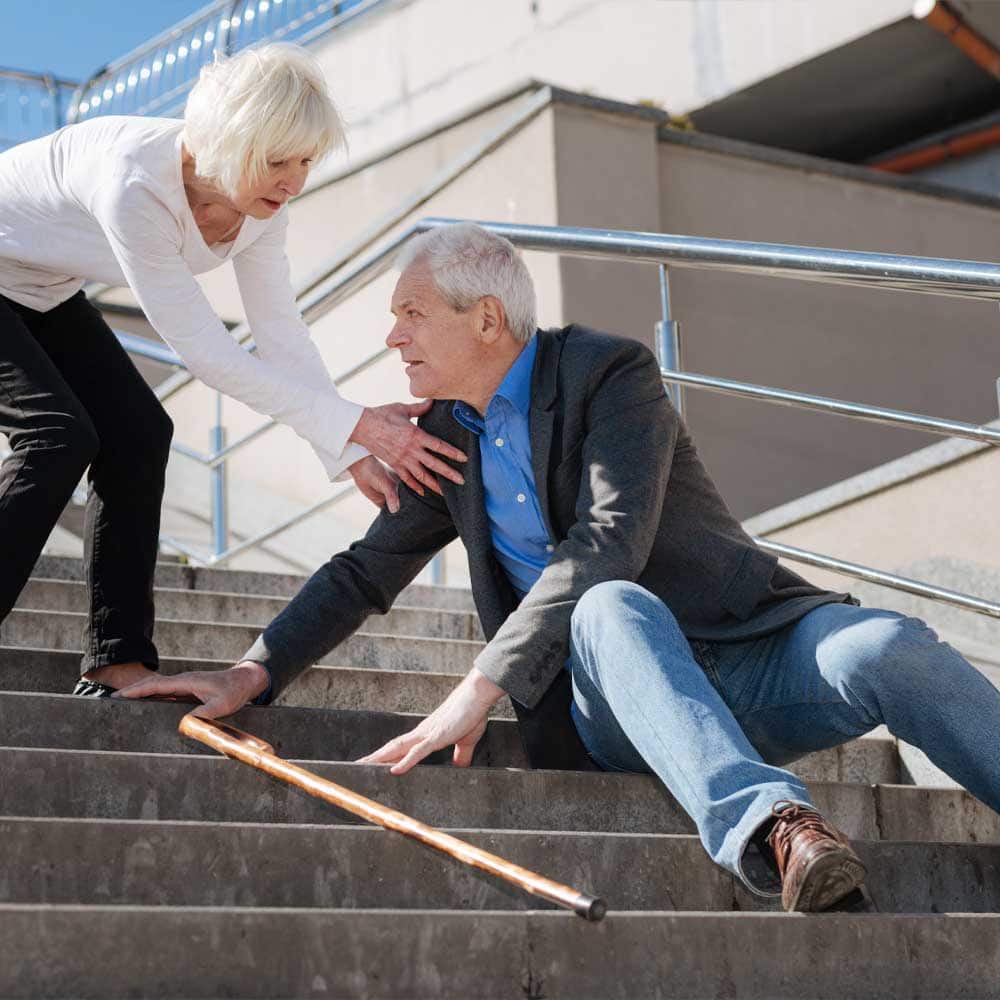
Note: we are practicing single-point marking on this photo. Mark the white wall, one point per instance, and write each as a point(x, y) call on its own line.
point(417, 61)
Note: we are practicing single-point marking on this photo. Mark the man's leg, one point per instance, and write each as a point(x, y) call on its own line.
point(842, 670)
point(642, 703)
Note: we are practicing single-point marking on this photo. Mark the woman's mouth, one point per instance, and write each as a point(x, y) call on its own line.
point(271, 204)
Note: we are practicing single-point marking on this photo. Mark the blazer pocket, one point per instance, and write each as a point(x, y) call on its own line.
point(749, 583)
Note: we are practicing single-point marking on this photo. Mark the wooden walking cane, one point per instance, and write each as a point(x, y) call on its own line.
point(257, 753)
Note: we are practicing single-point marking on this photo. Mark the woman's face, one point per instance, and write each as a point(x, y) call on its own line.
point(283, 179)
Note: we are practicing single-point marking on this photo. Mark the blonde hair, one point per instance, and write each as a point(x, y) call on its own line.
point(468, 263)
point(265, 104)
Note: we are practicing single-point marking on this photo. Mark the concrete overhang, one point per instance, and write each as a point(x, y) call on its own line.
point(878, 92)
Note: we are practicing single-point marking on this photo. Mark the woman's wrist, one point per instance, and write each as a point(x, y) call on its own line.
point(363, 429)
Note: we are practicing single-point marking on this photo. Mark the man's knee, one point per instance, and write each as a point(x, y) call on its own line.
point(607, 599)
point(606, 607)
point(892, 651)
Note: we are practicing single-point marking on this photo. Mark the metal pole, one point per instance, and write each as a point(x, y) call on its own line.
point(439, 572)
point(668, 340)
point(220, 495)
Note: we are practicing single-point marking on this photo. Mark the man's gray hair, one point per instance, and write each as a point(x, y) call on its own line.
point(468, 263)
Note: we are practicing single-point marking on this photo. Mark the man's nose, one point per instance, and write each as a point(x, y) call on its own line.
point(395, 337)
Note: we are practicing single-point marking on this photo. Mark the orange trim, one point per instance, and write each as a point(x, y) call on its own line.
point(961, 145)
point(942, 18)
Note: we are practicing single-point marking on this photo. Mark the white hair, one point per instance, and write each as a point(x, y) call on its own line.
point(266, 104)
point(468, 263)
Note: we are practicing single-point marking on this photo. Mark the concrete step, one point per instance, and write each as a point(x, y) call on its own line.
point(357, 688)
point(173, 604)
point(229, 581)
point(206, 864)
point(67, 722)
point(92, 784)
point(211, 641)
point(211, 952)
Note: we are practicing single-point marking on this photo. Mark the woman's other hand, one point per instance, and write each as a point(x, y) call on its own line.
point(376, 482)
point(389, 434)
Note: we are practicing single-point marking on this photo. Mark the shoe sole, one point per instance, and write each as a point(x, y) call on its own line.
point(826, 881)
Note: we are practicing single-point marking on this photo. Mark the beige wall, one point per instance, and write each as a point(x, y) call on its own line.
point(418, 61)
point(923, 353)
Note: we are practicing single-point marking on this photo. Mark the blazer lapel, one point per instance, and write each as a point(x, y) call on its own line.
point(541, 416)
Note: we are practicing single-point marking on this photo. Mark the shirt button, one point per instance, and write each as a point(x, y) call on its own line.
point(550, 548)
point(521, 498)
point(499, 442)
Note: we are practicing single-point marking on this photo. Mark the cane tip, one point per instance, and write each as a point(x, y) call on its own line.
point(591, 908)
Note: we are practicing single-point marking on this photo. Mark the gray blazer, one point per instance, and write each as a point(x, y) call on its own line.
point(624, 496)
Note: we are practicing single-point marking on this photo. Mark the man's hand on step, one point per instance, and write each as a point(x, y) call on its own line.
point(459, 721)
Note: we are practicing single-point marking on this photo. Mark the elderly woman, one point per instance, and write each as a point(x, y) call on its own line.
point(151, 203)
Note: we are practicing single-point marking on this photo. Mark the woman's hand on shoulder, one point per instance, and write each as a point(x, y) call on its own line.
point(389, 433)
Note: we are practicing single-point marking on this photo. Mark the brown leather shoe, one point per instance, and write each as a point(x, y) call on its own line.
point(817, 865)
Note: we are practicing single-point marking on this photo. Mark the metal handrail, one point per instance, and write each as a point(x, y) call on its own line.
point(969, 279)
point(31, 104)
point(155, 78)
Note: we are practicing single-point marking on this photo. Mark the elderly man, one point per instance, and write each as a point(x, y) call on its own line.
point(628, 614)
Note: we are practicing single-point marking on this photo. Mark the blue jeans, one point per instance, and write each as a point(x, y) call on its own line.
point(714, 721)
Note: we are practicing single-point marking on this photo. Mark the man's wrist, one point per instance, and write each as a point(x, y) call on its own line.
point(257, 678)
point(484, 689)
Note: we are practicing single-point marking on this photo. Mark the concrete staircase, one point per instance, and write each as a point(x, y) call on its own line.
point(135, 863)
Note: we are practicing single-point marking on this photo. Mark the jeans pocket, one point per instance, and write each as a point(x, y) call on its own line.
point(705, 656)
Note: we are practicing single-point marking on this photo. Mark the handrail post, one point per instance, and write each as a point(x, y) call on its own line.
point(220, 493)
point(668, 340)
point(439, 570)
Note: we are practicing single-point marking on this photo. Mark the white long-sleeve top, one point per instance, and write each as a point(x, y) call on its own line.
point(104, 201)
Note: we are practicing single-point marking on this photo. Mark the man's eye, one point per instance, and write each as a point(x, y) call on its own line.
point(412, 313)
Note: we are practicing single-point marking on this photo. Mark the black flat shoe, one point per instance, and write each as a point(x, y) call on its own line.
point(91, 689)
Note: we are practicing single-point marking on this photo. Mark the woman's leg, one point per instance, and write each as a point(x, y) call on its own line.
point(126, 486)
point(52, 442)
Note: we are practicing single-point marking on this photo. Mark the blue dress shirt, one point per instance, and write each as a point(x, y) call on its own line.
point(520, 538)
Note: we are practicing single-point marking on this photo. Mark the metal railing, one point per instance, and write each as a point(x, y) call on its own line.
point(966, 279)
point(31, 105)
point(155, 78)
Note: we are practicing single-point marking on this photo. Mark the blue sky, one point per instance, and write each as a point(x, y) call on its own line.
point(73, 38)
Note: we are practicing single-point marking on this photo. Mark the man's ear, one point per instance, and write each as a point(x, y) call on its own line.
point(492, 319)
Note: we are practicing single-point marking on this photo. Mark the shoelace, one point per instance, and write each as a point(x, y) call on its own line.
point(792, 819)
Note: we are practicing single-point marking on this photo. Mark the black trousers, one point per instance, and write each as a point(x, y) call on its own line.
point(71, 399)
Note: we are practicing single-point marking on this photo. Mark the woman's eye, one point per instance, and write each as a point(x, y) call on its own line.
point(277, 163)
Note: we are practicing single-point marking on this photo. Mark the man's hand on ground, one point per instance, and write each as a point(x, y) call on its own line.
point(459, 720)
point(221, 692)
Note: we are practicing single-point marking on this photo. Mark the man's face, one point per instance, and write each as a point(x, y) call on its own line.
point(441, 347)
